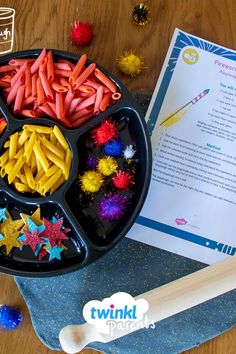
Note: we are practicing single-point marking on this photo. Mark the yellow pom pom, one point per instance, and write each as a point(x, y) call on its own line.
point(130, 64)
point(91, 181)
point(107, 166)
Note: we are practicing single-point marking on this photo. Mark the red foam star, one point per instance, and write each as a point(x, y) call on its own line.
point(32, 239)
point(53, 232)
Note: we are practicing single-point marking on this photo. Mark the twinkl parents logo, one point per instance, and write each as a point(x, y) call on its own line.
point(121, 311)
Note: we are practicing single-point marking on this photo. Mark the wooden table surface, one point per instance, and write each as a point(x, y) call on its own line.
point(46, 23)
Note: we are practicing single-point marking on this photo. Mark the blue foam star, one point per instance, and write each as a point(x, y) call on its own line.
point(3, 214)
point(55, 252)
point(54, 219)
point(1, 237)
point(39, 246)
point(32, 226)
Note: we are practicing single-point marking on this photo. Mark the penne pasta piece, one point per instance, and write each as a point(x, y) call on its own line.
point(48, 145)
point(64, 73)
point(27, 101)
point(82, 120)
point(87, 89)
point(68, 161)
point(20, 62)
point(53, 158)
point(13, 145)
point(116, 96)
point(33, 164)
point(42, 181)
point(19, 73)
point(59, 106)
point(7, 144)
point(9, 166)
point(4, 84)
point(68, 99)
point(48, 110)
point(19, 99)
point(58, 88)
point(19, 153)
point(39, 175)
point(86, 103)
point(62, 66)
point(40, 156)
point(83, 112)
point(53, 139)
point(30, 146)
point(4, 158)
point(28, 83)
point(40, 92)
point(20, 187)
point(38, 61)
point(23, 137)
point(46, 86)
point(16, 169)
point(27, 113)
point(52, 170)
point(50, 67)
point(37, 128)
point(78, 68)
point(34, 84)
point(95, 85)
point(83, 76)
point(64, 82)
point(12, 94)
point(22, 178)
point(52, 180)
point(62, 60)
point(74, 104)
point(6, 68)
point(105, 80)
point(105, 102)
point(56, 185)
point(98, 100)
point(60, 137)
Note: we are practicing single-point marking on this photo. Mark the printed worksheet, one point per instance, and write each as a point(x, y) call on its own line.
point(191, 206)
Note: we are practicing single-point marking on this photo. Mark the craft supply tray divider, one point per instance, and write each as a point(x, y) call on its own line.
point(83, 249)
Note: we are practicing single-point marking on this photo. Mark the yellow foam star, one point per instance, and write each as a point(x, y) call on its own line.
point(10, 241)
point(35, 217)
point(10, 226)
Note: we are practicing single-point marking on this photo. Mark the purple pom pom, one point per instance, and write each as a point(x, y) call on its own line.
point(91, 162)
point(112, 207)
point(9, 317)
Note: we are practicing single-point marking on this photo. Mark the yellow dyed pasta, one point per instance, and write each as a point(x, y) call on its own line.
point(13, 145)
point(60, 137)
point(36, 159)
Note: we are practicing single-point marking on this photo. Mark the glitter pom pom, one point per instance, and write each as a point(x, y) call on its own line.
point(140, 14)
point(105, 132)
point(91, 181)
point(91, 162)
point(114, 148)
point(112, 207)
point(130, 64)
point(129, 152)
point(81, 33)
point(107, 166)
point(123, 180)
point(9, 317)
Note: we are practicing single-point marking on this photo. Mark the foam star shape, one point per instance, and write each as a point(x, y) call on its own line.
point(35, 217)
point(9, 225)
point(53, 231)
point(32, 226)
point(32, 239)
point(55, 252)
point(3, 214)
point(10, 241)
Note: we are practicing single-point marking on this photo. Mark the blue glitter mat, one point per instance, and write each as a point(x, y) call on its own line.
point(134, 268)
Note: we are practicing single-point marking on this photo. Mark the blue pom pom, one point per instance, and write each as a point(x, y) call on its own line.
point(9, 317)
point(114, 148)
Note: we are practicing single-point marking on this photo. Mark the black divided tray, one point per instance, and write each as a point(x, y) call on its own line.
point(90, 237)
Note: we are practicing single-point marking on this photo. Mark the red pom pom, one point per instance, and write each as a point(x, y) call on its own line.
point(81, 33)
point(123, 180)
point(105, 132)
